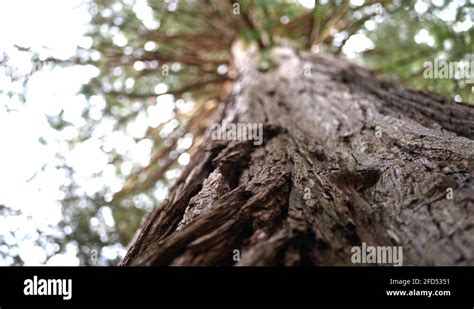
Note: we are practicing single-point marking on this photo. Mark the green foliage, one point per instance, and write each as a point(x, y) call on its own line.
point(396, 50)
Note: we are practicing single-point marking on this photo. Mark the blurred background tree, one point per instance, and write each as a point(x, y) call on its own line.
point(162, 67)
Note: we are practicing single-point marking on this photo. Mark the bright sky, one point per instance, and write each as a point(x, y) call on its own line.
point(29, 181)
point(54, 28)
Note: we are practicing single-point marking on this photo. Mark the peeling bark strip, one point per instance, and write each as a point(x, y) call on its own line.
point(346, 159)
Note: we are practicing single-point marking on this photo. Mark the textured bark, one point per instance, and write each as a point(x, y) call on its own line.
point(347, 158)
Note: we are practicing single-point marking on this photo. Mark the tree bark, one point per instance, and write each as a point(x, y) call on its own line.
point(347, 158)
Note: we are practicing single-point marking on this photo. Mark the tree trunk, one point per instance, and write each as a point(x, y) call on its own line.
point(347, 158)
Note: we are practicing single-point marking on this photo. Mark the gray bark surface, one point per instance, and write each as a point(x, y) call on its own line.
point(347, 158)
